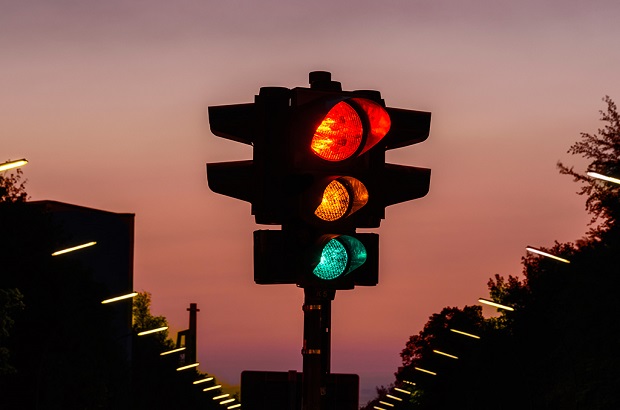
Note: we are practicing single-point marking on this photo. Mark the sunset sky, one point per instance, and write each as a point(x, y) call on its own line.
point(108, 101)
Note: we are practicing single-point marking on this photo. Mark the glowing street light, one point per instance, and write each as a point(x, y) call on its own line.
point(386, 403)
point(465, 333)
point(402, 390)
point(217, 386)
point(603, 177)
point(115, 299)
point(408, 382)
point(227, 401)
point(13, 164)
point(425, 371)
point(393, 397)
point(497, 305)
point(443, 354)
point(74, 248)
point(221, 396)
point(180, 349)
point(378, 408)
point(208, 379)
point(189, 366)
point(148, 332)
point(234, 406)
point(548, 255)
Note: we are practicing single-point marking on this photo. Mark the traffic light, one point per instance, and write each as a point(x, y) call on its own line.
point(318, 170)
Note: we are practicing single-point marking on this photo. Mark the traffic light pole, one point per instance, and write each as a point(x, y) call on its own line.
point(316, 349)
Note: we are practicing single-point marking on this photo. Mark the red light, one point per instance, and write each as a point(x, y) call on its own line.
point(379, 121)
point(339, 135)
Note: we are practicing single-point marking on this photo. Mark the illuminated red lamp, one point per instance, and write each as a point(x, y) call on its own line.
point(350, 127)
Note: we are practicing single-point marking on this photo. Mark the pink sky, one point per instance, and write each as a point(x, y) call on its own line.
point(108, 101)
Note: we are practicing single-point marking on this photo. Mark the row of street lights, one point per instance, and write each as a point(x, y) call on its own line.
point(397, 400)
point(225, 399)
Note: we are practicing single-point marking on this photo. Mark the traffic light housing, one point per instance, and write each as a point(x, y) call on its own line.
point(319, 170)
point(325, 261)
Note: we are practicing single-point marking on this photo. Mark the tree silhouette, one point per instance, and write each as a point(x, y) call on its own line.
point(558, 348)
point(603, 149)
point(12, 190)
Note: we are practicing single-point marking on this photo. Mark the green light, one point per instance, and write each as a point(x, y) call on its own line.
point(340, 256)
point(333, 262)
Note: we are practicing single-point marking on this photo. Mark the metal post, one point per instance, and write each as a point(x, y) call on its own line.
point(316, 348)
point(190, 341)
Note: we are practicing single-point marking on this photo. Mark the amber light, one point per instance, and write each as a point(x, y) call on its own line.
point(341, 198)
point(335, 202)
point(339, 135)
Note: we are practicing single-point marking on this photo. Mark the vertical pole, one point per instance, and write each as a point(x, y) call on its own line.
point(316, 348)
point(190, 341)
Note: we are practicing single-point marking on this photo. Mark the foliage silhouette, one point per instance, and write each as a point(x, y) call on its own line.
point(558, 348)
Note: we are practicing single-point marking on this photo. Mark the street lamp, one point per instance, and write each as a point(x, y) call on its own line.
point(122, 297)
point(148, 332)
point(548, 255)
point(424, 371)
point(603, 177)
point(465, 333)
point(180, 349)
point(441, 353)
point(74, 248)
point(497, 305)
point(13, 164)
point(189, 366)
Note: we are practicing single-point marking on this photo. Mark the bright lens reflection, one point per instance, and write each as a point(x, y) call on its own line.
point(379, 120)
